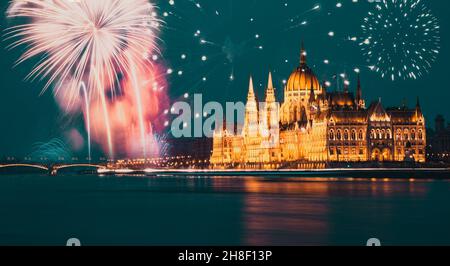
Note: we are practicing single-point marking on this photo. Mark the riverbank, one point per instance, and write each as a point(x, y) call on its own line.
point(423, 173)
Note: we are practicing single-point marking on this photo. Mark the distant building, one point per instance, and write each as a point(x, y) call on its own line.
point(439, 141)
point(314, 126)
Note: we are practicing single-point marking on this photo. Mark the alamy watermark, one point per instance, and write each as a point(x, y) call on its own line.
point(204, 119)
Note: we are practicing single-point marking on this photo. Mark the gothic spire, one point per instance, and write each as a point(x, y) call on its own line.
point(418, 107)
point(270, 92)
point(251, 90)
point(269, 82)
point(359, 90)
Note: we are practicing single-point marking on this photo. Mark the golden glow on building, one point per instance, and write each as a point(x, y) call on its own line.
point(314, 127)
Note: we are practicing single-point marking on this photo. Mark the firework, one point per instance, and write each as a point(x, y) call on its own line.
point(53, 150)
point(88, 117)
point(401, 39)
point(92, 42)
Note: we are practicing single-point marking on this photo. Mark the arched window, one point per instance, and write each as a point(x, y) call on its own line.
point(383, 134)
point(346, 134)
point(360, 135)
point(338, 135)
point(406, 134)
point(379, 136)
point(353, 136)
point(413, 134)
point(389, 134)
point(399, 134)
point(372, 134)
point(332, 134)
point(420, 135)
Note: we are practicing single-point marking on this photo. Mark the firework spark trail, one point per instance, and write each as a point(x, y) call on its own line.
point(106, 118)
point(96, 42)
point(141, 122)
point(88, 117)
point(54, 150)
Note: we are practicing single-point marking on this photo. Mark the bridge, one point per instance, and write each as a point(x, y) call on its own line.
point(52, 169)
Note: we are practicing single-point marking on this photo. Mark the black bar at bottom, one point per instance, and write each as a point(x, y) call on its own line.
point(220, 255)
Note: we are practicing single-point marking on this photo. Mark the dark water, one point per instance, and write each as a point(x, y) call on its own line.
point(139, 210)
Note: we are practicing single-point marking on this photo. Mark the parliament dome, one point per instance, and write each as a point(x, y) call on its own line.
point(303, 78)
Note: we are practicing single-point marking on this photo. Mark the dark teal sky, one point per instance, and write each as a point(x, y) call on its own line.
point(28, 117)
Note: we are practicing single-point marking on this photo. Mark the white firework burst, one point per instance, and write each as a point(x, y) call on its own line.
point(401, 39)
point(91, 41)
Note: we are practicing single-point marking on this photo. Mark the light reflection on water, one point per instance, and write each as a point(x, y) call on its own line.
point(300, 211)
point(167, 210)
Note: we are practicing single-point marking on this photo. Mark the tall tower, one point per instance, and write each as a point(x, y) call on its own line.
point(270, 92)
point(272, 112)
point(419, 113)
point(270, 132)
point(251, 126)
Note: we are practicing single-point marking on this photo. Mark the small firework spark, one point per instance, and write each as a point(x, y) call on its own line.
point(401, 39)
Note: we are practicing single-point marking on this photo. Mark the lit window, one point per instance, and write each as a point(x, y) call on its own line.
point(360, 135)
point(389, 134)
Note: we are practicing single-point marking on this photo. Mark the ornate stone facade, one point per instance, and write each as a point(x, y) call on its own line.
point(313, 126)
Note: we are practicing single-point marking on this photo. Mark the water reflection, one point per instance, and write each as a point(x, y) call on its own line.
point(314, 211)
point(322, 211)
point(285, 213)
point(170, 210)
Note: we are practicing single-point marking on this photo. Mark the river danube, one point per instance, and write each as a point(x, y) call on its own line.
point(168, 210)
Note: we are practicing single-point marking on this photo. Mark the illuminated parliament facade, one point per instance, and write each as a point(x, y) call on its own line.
point(313, 127)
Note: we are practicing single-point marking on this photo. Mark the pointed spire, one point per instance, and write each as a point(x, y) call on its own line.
point(303, 55)
point(378, 113)
point(269, 82)
point(358, 91)
point(418, 107)
point(270, 92)
point(251, 90)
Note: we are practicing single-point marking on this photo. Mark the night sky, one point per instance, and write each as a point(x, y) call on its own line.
point(240, 38)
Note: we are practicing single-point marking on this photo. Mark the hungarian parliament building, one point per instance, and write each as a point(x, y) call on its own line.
point(313, 127)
